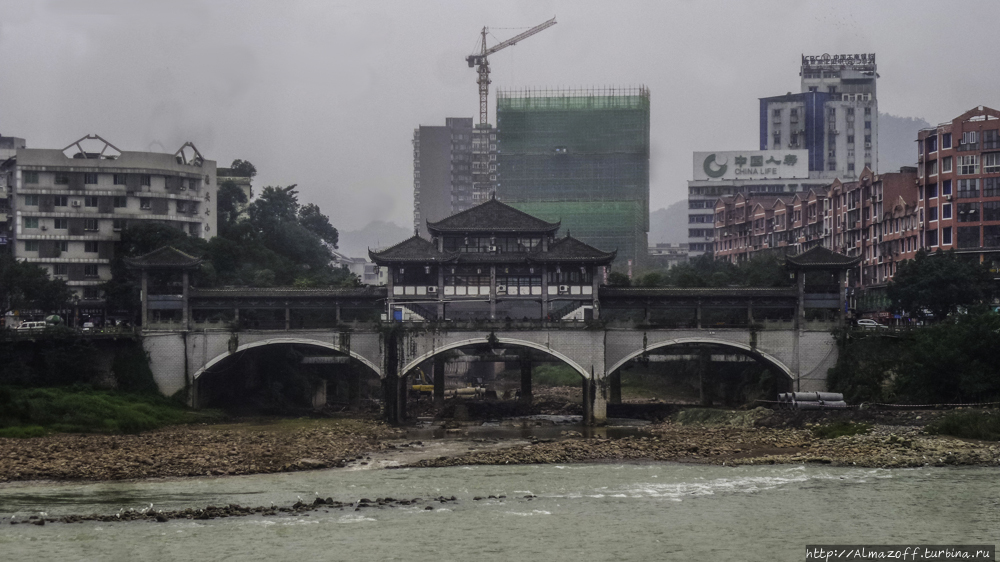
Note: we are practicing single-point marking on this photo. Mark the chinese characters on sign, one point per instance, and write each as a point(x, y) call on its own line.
point(761, 164)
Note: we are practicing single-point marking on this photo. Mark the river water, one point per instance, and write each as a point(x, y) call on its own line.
point(642, 511)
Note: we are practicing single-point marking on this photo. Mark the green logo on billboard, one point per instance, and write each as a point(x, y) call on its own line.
point(712, 169)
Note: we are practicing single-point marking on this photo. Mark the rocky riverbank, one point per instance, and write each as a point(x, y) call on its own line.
point(756, 437)
point(196, 450)
point(693, 436)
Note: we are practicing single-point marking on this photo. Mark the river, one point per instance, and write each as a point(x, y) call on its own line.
point(643, 511)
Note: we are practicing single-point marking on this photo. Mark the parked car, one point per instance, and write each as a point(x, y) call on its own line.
point(32, 326)
point(88, 326)
point(868, 324)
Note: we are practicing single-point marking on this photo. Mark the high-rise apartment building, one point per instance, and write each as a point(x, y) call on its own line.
point(580, 157)
point(447, 176)
point(834, 117)
point(8, 149)
point(67, 207)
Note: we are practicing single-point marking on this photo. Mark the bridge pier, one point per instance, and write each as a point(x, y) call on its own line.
point(439, 382)
point(526, 381)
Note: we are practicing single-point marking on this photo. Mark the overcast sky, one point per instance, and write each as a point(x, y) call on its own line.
point(326, 94)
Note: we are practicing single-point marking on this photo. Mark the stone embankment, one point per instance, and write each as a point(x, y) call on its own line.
point(200, 450)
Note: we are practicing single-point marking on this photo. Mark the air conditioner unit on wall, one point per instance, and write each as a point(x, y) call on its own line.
point(432, 289)
point(563, 289)
point(76, 203)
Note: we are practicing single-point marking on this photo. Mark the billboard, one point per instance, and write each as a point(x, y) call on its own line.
point(751, 165)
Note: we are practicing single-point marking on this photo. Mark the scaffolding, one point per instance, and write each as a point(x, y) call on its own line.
point(580, 156)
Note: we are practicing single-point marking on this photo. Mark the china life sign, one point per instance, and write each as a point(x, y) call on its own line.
point(751, 165)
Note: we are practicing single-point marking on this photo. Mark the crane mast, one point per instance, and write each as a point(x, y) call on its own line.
point(481, 61)
point(483, 137)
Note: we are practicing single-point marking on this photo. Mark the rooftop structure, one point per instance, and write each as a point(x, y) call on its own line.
point(580, 157)
point(69, 206)
point(491, 261)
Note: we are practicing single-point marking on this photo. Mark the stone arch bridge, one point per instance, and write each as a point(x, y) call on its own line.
point(180, 358)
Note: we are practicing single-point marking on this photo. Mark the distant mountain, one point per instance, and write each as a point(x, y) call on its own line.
point(670, 225)
point(375, 235)
point(897, 138)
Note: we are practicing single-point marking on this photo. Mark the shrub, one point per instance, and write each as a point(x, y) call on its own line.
point(971, 424)
point(840, 429)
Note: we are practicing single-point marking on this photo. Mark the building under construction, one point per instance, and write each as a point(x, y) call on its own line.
point(581, 157)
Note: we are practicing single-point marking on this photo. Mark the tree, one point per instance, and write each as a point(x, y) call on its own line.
point(230, 203)
point(319, 224)
point(243, 168)
point(939, 284)
point(26, 285)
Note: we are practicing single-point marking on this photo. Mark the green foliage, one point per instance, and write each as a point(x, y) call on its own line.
point(618, 279)
point(230, 201)
point(940, 283)
point(319, 224)
point(953, 361)
point(555, 375)
point(866, 365)
point(948, 362)
point(27, 285)
point(132, 373)
point(969, 424)
point(243, 168)
point(26, 412)
point(763, 270)
point(841, 429)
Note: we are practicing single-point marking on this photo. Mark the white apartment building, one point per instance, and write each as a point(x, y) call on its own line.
point(66, 208)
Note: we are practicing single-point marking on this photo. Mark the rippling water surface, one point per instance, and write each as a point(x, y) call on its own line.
point(582, 512)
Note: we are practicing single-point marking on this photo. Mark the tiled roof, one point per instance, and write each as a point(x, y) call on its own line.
point(413, 249)
point(165, 257)
point(571, 249)
point(492, 216)
point(288, 292)
point(607, 291)
point(819, 257)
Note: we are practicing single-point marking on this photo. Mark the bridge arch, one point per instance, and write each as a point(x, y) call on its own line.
point(413, 363)
point(767, 358)
point(286, 341)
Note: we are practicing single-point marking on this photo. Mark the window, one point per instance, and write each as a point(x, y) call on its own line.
point(945, 140)
point(90, 247)
point(182, 206)
point(868, 111)
point(991, 187)
point(120, 202)
point(144, 180)
point(90, 270)
point(91, 225)
point(991, 211)
point(120, 179)
point(968, 212)
point(850, 111)
point(968, 188)
point(932, 213)
point(30, 177)
point(946, 165)
point(776, 112)
point(991, 139)
point(932, 168)
point(868, 125)
point(946, 236)
point(31, 245)
point(90, 201)
point(61, 224)
point(62, 179)
point(931, 238)
point(145, 203)
point(946, 211)
point(968, 165)
point(117, 225)
point(868, 140)
point(931, 190)
point(968, 237)
point(31, 200)
point(62, 245)
point(30, 222)
point(90, 178)
point(60, 201)
point(850, 167)
point(991, 163)
point(60, 269)
point(850, 139)
point(946, 186)
point(968, 137)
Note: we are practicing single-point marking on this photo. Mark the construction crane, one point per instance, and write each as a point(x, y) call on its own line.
point(481, 61)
